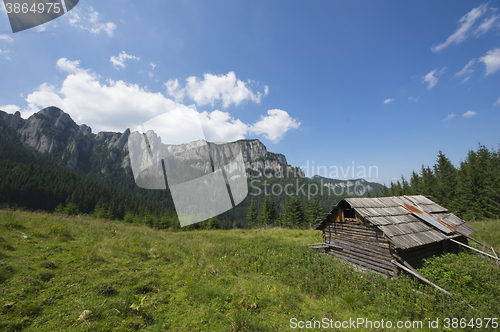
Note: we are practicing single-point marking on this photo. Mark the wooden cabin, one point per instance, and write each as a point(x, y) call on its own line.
point(375, 232)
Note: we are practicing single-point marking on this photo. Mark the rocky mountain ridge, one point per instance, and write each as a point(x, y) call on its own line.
point(53, 132)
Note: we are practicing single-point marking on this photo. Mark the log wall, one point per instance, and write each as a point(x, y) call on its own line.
point(361, 244)
point(414, 256)
point(365, 245)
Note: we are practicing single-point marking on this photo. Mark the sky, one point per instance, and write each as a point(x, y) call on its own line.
point(329, 84)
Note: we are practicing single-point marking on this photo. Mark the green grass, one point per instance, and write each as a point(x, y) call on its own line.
point(131, 277)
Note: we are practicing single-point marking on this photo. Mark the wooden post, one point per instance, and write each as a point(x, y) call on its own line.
point(494, 253)
point(479, 251)
point(481, 243)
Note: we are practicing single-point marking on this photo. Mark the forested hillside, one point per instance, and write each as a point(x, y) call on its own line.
point(471, 190)
point(55, 163)
point(48, 162)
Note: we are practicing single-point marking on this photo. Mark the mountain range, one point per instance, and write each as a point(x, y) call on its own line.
point(52, 135)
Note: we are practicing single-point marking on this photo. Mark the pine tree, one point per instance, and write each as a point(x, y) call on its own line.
point(252, 214)
point(264, 213)
point(286, 216)
point(446, 180)
point(396, 188)
point(416, 184)
point(489, 197)
point(213, 223)
point(313, 211)
point(295, 213)
point(269, 212)
point(428, 181)
point(385, 191)
point(405, 186)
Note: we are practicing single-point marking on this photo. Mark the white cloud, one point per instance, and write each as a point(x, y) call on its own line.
point(174, 90)
point(449, 117)
point(219, 126)
point(88, 19)
point(415, 99)
point(225, 88)
point(431, 78)
point(487, 24)
point(110, 106)
point(5, 53)
point(275, 125)
point(497, 102)
point(468, 114)
point(388, 100)
point(9, 108)
point(466, 71)
point(71, 67)
point(119, 61)
point(6, 38)
point(466, 23)
point(116, 105)
point(491, 60)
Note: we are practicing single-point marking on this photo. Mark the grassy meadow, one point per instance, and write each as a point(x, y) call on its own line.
point(60, 273)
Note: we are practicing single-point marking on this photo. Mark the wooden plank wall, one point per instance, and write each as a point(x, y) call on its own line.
point(362, 244)
point(414, 256)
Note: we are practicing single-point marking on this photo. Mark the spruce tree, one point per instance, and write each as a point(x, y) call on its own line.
point(313, 211)
point(252, 214)
point(416, 184)
point(446, 180)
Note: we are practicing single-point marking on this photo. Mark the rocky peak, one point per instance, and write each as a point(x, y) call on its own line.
point(51, 130)
point(12, 120)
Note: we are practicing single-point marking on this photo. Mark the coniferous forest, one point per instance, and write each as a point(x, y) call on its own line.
point(471, 190)
point(33, 181)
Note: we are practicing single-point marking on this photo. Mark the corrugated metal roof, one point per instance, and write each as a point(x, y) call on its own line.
point(404, 226)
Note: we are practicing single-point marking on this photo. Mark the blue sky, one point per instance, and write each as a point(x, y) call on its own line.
point(337, 83)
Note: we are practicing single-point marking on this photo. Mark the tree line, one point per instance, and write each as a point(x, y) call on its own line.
point(471, 190)
point(293, 215)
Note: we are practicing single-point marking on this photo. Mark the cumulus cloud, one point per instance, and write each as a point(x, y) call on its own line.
point(213, 88)
point(431, 78)
point(415, 99)
point(449, 117)
point(274, 125)
point(388, 100)
point(10, 108)
point(220, 126)
point(119, 61)
point(468, 114)
point(466, 24)
point(116, 105)
point(71, 67)
point(491, 60)
point(466, 71)
point(89, 19)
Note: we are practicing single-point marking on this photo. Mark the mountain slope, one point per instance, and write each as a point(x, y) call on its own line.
point(51, 137)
